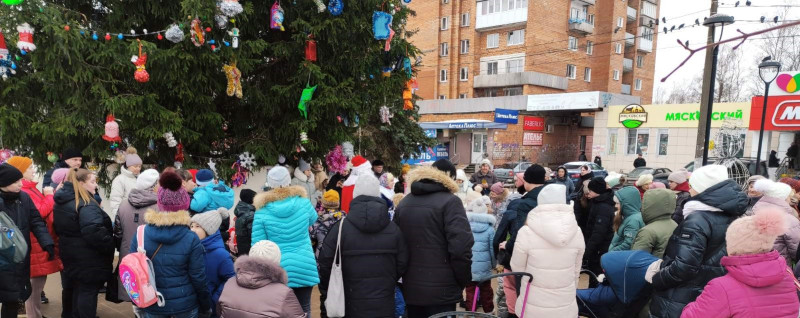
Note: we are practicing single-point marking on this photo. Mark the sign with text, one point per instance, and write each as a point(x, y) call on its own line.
point(564, 101)
point(428, 154)
point(533, 123)
point(674, 115)
point(532, 139)
point(506, 116)
point(783, 113)
point(430, 133)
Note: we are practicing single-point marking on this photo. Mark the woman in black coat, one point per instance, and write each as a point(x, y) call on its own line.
point(599, 225)
point(15, 284)
point(86, 243)
point(374, 254)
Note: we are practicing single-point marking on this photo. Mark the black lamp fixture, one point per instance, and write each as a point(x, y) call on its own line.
point(768, 70)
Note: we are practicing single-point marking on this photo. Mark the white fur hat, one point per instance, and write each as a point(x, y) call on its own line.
point(479, 205)
point(368, 185)
point(147, 179)
point(644, 179)
point(707, 177)
point(773, 189)
point(553, 194)
point(266, 250)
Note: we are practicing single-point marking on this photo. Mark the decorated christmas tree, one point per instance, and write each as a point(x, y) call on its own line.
point(264, 77)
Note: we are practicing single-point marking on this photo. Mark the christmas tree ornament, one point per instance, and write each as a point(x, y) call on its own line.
point(407, 67)
point(108, 37)
point(119, 156)
point(171, 142)
point(386, 115)
point(336, 160)
point(320, 6)
point(25, 42)
point(276, 17)
point(335, 7)
point(144, 31)
point(133, 32)
point(112, 129)
point(303, 140)
point(151, 145)
point(179, 153)
point(6, 65)
point(247, 160)
point(311, 49)
point(234, 79)
point(221, 20)
point(177, 164)
point(160, 37)
point(198, 35)
point(408, 95)
point(381, 25)
point(119, 36)
point(5, 154)
point(240, 174)
point(208, 29)
point(66, 28)
point(386, 71)
point(94, 36)
point(12, 2)
point(234, 33)
point(348, 150)
point(52, 157)
point(308, 94)
point(405, 2)
point(139, 61)
point(212, 165)
point(230, 8)
point(388, 45)
point(174, 34)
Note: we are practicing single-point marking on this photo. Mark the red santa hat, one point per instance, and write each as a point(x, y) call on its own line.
point(3, 48)
point(358, 161)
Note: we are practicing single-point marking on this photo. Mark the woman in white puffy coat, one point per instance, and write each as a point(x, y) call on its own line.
point(550, 247)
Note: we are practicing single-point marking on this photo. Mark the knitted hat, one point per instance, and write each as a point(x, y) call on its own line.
point(534, 174)
point(21, 163)
point(644, 179)
point(678, 177)
point(479, 205)
point(773, 189)
point(59, 175)
point(172, 197)
point(204, 177)
point(267, 250)
point(247, 195)
point(9, 175)
point(598, 185)
point(387, 180)
point(518, 180)
point(497, 188)
point(278, 177)
point(131, 158)
point(330, 200)
point(461, 175)
point(281, 160)
point(211, 220)
point(303, 165)
point(70, 153)
point(472, 196)
point(657, 185)
point(486, 162)
point(708, 176)
point(406, 169)
point(613, 179)
point(367, 185)
point(755, 234)
point(553, 194)
point(147, 179)
point(446, 166)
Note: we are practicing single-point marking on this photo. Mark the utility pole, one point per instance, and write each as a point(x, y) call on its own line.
point(707, 99)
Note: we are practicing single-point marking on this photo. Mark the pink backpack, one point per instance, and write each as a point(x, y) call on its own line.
point(136, 275)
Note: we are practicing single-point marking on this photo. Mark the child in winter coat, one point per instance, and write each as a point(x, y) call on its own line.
point(244, 213)
point(757, 284)
point(628, 219)
point(776, 196)
point(482, 225)
point(209, 196)
point(331, 215)
point(657, 208)
point(219, 266)
point(259, 276)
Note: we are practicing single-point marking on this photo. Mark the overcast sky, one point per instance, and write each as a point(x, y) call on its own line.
point(670, 55)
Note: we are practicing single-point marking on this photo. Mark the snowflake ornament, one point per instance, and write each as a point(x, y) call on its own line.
point(171, 142)
point(212, 165)
point(386, 115)
point(247, 161)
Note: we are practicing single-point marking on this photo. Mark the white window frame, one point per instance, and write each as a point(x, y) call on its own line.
point(464, 46)
point(662, 132)
point(444, 49)
point(640, 61)
point(620, 22)
point(518, 69)
point(462, 95)
point(442, 76)
point(615, 75)
point(465, 19)
point(589, 47)
point(493, 40)
point(517, 35)
point(489, 68)
point(508, 91)
point(590, 19)
point(646, 33)
point(572, 43)
point(445, 23)
point(463, 74)
point(618, 48)
point(639, 131)
point(612, 144)
point(637, 84)
point(587, 74)
point(571, 71)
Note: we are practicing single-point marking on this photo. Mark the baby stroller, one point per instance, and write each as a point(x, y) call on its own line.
point(624, 292)
point(473, 314)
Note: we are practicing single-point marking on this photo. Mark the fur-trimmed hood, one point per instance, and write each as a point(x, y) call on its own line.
point(166, 228)
point(431, 175)
point(278, 194)
point(254, 273)
point(156, 218)
point(480, 222)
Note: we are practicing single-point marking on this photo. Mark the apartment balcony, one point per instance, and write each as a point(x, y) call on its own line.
point(645, 45)
point(585, 2)
point(519, 79)
point(580, 26)
point(626, 89)
point(507, 18)
point(652, 1)
point(631, 14)
point(630, 39)
point(646, 21)
point(627, 65)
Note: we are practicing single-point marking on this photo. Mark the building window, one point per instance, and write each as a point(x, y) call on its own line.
point(618, 48)
point(638, 140)
point(612, 141)
point(640, 61)
point(493, 40)
point(491, 68)
point(663, 141)
point(445, 23)
point(571, 70)
point(491, 92)
point(615, 75)
point(646, 33)
point(589, 47)
point(462, 95)
point(443, 49)
point(495, 6)
point(620, 22)
point(442, 97)
point(464, 46)
point(463, 74)
point(587, 74)
point(512, 91)
point(573, 43)
point(516, 37)
point(590, 19)
point(465, 19)
point(637, 85)
point(445, 1)
point(443, 75)
point(514, 66)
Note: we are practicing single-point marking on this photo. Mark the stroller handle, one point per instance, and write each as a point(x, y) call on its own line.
point(530, 277)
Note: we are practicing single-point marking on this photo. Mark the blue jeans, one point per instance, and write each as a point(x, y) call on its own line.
point(189, 314)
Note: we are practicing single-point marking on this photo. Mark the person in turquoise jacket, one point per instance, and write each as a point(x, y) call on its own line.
point(209, 196)
point(284, 215)
point(628, 220)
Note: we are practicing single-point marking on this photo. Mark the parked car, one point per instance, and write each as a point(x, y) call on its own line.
point(505, 173)
point(574, 169)
point(750, 162)
point(659, 175)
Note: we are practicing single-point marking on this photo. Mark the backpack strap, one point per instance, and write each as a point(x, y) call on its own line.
point(140, 239)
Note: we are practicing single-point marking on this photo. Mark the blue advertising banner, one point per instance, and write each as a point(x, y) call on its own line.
point(506, 116)
point(430, 154)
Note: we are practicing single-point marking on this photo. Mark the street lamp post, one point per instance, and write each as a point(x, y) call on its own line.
point(714, 21)
point(768, 71)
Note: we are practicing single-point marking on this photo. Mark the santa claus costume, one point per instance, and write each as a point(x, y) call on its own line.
point(360, 166)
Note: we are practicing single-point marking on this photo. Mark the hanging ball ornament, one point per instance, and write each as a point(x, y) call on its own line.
point(133, 32)
point(119, 36)
point(160, 37)
point(12, 2)
point(208, 29)
point(108, 36)
point(174, 34)
point(94, 36)
point(66, 28)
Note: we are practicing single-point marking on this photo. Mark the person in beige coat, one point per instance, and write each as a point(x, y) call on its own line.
point(259, 276)
point(550, 247)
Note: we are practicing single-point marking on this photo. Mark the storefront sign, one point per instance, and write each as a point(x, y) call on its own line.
point(787, 83)
point(430, 133)
point(676, 115)
point(506, 116)
point(783, 113)
point(565, 101)
point(533, 123)
point(430, 154)
point(633, 116)
point(532, 139)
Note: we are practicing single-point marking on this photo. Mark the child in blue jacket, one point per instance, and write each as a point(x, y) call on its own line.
point(219, 266)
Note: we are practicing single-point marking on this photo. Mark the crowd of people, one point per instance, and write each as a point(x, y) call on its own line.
point(412, 246)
